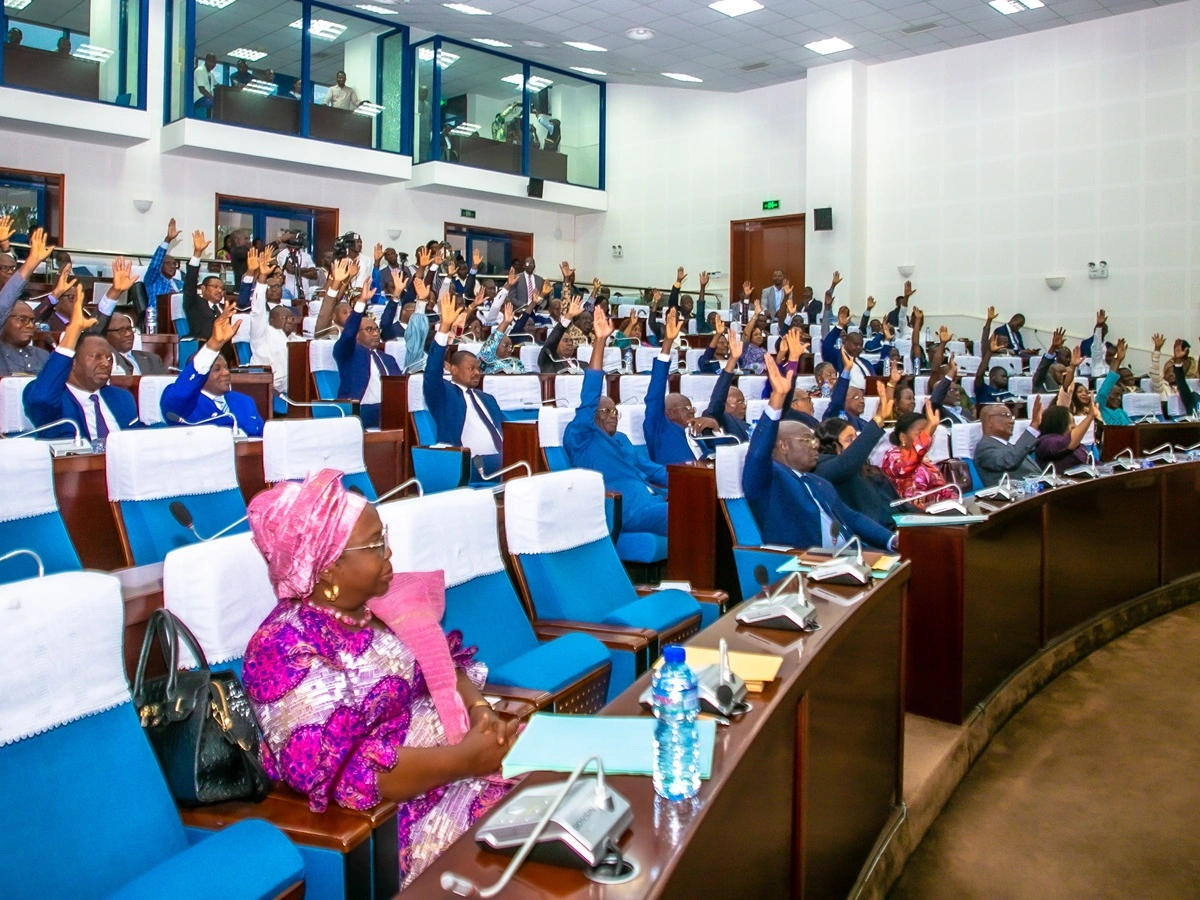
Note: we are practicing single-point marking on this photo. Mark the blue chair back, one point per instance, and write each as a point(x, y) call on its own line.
point(556, 459)
point(490, 616)
point(441, 468)
point(741, 521)
point(559, 591)
point(243, 352)
point(976, 481)
point(425, 426)
point(327, 384)
point(152, 531)
point(45, 535)
point(29, 516)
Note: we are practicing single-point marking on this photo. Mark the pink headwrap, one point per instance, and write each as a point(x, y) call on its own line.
point(301, 529)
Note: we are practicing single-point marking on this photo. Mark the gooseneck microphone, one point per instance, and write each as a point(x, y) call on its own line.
point(183, 516)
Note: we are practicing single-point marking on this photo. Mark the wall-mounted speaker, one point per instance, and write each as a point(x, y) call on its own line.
point(823, 219)
point(536, 186)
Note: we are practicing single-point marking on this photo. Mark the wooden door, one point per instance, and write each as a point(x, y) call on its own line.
point(757, 247)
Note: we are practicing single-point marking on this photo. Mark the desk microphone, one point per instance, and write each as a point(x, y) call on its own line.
point(22, 551)
point(519, 464)
point(1163, 453)
point(320, 404)
point(841, 569)
point(183, 516)
point(780, 609)
point(177, 419)
point(79, 443)
point(941, 506)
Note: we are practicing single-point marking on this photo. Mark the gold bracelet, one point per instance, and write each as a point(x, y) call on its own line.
point(479, 702)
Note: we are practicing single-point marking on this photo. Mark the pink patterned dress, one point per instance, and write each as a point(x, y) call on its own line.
point(911, 473)
point(336, 704)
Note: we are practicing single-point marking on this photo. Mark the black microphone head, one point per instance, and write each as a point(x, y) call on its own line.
point(181, 513)
point(724, 695)
point(176, 418)
point(760, 575)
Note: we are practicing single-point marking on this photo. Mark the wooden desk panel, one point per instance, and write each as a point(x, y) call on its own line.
point(1181, 522)
point(802, 786)
point(1145, 437)
point(259, 387)
point(695, 530)
point(301, 387)
point(521, 444)
point(81, 486)
point(385, 453)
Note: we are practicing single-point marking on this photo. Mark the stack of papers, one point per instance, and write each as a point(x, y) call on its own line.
point(557, 743)
point(756, 669)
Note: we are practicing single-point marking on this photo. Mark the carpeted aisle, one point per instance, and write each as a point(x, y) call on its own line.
point(1092, 790)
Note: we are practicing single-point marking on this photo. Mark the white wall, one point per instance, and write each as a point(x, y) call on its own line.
point(681, 165)
point(995, 165)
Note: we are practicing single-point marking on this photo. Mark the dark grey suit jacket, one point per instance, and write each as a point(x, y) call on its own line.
point(993, 457)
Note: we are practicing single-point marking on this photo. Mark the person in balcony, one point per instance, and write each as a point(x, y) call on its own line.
point(204, 83)
point(340, 96)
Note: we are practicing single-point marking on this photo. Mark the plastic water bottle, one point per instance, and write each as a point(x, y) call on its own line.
point(151, 318)
point(676, 702)
point(628, 362)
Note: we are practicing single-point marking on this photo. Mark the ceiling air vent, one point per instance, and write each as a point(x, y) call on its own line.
point(921, 28)
point(754, 66)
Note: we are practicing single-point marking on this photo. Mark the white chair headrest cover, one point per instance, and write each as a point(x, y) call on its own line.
point(555, 511)
point(634, 387)
point(731, 459)
point(320, 356)
point(752, 386)
point(454, 531)
point(294, 447)
point(964, 437)
point(568, 388)
point(177, 306)
point(150, 391)
point(396, 349)
point(63, 657)
point(221, 591)
point(416, 394)
point(153, 463)
point(515, 391)
point(12, 405)
point(242, 335)
point(1138, 405)
point(552, 424)
point(27, 473)
point(529, 356)
point(632, 422)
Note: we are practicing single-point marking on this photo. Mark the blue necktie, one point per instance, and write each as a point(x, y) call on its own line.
point(377, 357)
point(487, 420)
point(101, 424)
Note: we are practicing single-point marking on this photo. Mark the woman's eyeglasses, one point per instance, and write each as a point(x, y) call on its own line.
point(380, 546)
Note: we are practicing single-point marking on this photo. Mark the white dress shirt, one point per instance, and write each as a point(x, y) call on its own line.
point(84, 398)
point(303, 261)
point(476, 436)
point(374, 390)
point(268, 346)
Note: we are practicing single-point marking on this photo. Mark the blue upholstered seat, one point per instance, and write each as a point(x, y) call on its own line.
point(29, 516)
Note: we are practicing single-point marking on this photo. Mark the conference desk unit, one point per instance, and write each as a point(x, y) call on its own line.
point(988, 597)
point(802, 788)
point(1147, 436)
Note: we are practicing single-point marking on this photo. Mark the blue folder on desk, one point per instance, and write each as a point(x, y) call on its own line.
point(558, 743)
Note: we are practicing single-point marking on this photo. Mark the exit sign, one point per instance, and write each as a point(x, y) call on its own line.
point(770, 204)
point(467, 213)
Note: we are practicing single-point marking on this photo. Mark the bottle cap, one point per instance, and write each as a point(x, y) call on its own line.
point(673, 653)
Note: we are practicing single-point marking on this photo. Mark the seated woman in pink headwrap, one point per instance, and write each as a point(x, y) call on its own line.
point(361, 696)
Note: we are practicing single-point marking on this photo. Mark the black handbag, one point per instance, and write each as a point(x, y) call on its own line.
point(200, 723)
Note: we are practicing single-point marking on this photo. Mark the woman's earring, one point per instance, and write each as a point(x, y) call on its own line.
point(331, 593)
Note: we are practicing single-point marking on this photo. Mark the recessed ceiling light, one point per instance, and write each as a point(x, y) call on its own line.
point(1008, 7)
point(248, 55)
point(829, 45)
point(679, 76)
point(378, 10)
point(467, 9)
point(321, 28)
point(586, 71)
point(533, 43)
point(258, 86)
point(639, 34)
point(584, 45)
point(21, 4)
point(367, 108)
point(465, 129)
point(490, 42)
point(536, 83)
point(733, 8)
point(445, 58)
point(215, 4)
point(93, 53)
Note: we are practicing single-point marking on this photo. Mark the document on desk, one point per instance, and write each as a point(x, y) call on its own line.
point(881, 564)
point(558, 743)
point(916, 520)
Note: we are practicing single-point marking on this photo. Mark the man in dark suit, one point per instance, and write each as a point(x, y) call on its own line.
point(792, 506)
point(674, 433)
point(593, 442)
point(117, 328)
point(847, 401)
point(74, 385)
point(360, 357)
point(995, 456)
point(1011, 332)
point(203, 302)
point(202, 392)
point(727, 404)
point(465, 416)
point(528, 289)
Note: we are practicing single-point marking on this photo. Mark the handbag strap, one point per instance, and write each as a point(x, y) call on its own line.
point(170, 631)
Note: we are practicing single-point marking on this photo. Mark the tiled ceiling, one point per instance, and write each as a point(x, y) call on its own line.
point(695, 40)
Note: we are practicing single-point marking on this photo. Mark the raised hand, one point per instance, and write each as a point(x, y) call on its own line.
point(122, 277)
point(512, 278)
point(886, 402)
point(450, 317)
point(747, 289)
point(66, 282)
point(378, 254)
point(655, 298)
point(1159, 340)
point(888, 331)
point(1060, 338)
point(719, 326)
point(909, 290)
point(568, 273)
point(251, 261)
point(952, 370)
point(789, 305)
point(680, 277)
point(80, 320)
point(224, 328)
point(944, 335)
point(422, 290)
point(367, 292)
point(757, 308)
point(1122, 347)
point(837, 279)
point(894, 375)
point(671, 328)
point(847, 360)
point(172, 233)
point(781, 383)
point(199, 244)
point(995, 345)
point(1076, 357)
point(703, 279)
point(1179, 353)
point(844, 318)
point(574, 307)
point(506, 315)
point(39, 250)
point(1101, 318)
point(794, 342)
point(932, 419)
point(401, 285)
point(476, 258)
point(1035, 414)
point(735, 347)
point(991, 313)
point(339, 272)
point(870, 303)
point(787, 288)
point(547, 289)
point(601, 325)
point(7, 229)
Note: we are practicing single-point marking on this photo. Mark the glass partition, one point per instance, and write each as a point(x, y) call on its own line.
point(294, 67)
point(471, 109)
point(93, 50)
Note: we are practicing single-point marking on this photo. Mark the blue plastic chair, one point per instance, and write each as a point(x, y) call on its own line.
point(29, 516)
point(569, 570)
point(127, 840)
point(149, 469)
point(457, 533)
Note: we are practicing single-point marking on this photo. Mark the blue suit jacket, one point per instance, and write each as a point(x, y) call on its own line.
point(837, 404)
point(354, 360)
point(48, 399)
point(184, 398)
point(588, 446)
point(446, 402)
point(739, 428)
point(666, 441)
point(781, 505)
point(1015, 342)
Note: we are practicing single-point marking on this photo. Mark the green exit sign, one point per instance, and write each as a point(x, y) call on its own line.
point(467, 213)
point(770, 204)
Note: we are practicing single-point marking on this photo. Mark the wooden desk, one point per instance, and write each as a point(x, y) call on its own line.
point(1145, 437)
point(56, 73)
point(988, 597)
point(699, 546)
point(163, 345)
point(81, 486)
point(802, 787)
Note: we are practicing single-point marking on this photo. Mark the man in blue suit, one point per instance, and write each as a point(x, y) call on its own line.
point(727, 404)
point(847, 401)
point(360, 360)
point(593, 442)
point(465, 416)
point(792, 506)
point(73, 384)
point(674, 433)
point(202, 392)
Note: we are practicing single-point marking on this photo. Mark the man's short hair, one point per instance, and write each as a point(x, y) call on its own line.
point(461, 356)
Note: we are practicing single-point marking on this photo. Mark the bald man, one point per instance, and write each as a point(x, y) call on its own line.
point(793, 507)
point(593, 442)
point(847, 402)
point(997, 454)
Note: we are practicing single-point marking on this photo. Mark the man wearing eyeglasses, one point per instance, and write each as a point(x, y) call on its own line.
point(593, 442)
point(794, 507)
point(997, 453)
point(18, 355)
point(126, 360)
